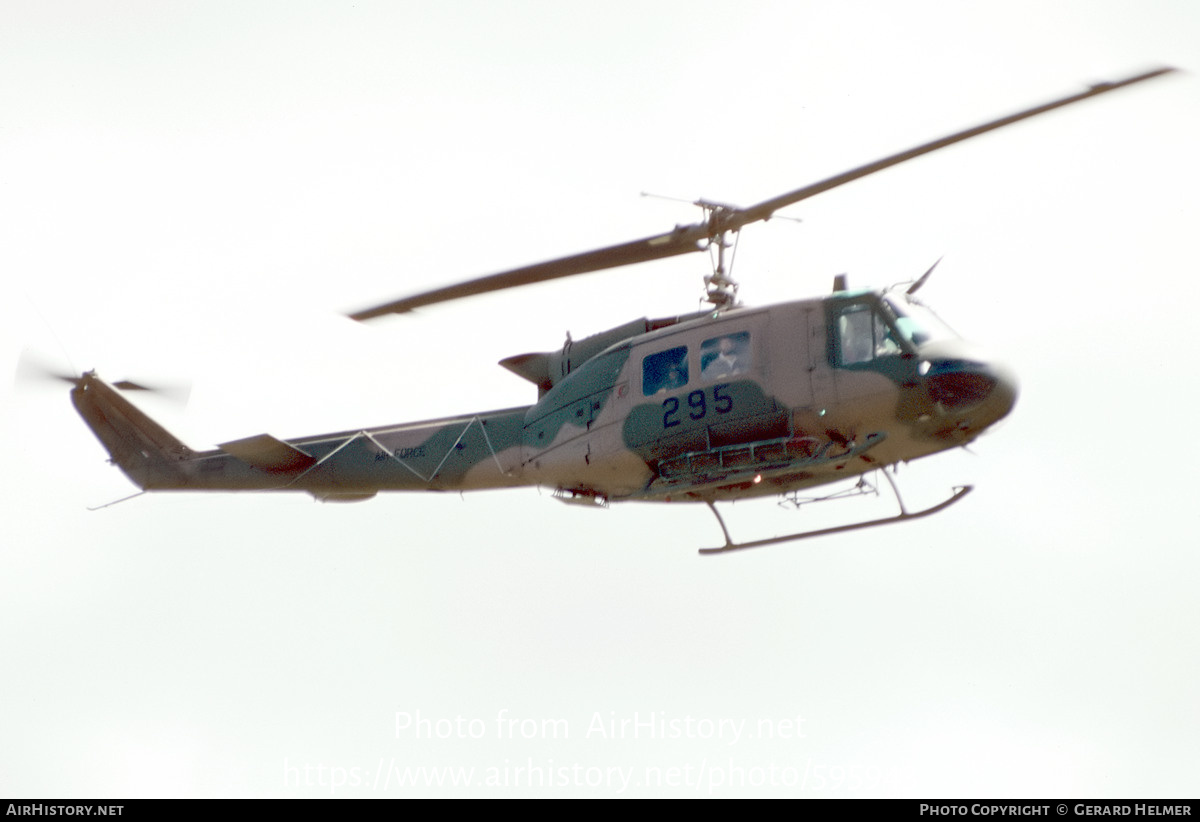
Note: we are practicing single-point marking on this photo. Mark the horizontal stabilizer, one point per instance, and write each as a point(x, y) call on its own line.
point(265, 452)
point(533, 367)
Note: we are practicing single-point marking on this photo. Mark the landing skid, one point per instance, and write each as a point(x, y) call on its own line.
point(960, 491)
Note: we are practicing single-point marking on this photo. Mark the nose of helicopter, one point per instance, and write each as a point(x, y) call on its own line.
point(971, 390)
point(1006, 390)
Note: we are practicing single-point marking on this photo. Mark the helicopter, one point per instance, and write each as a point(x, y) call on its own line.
point(727, 403)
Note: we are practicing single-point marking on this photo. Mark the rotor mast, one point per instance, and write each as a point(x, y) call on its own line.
point(720, 288)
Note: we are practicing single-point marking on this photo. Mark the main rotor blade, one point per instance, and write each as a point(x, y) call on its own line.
point(683, 240)
point(695, 237)
point(763, 211)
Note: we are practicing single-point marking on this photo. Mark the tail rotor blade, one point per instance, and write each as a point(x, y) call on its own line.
point(32, 369)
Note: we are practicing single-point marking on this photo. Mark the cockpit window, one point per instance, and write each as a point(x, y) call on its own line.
point(917, 324)
point(725, 356)
point(863, 335)
point(665, 371)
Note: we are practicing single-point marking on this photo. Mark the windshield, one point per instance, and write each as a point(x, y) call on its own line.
point(918, 324)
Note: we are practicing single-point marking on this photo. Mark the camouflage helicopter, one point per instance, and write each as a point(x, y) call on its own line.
point(727, 403)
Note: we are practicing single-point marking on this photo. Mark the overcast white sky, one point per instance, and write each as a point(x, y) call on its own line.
point(194, 191)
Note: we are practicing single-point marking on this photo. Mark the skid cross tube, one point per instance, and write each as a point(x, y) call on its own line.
point(960, 491)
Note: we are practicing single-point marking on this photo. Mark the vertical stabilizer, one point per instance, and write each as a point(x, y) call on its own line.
point(148, 454)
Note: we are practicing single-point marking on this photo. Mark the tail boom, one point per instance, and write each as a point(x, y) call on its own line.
point(454, 454)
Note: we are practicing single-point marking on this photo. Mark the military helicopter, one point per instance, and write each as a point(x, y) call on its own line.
point(727, 403)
